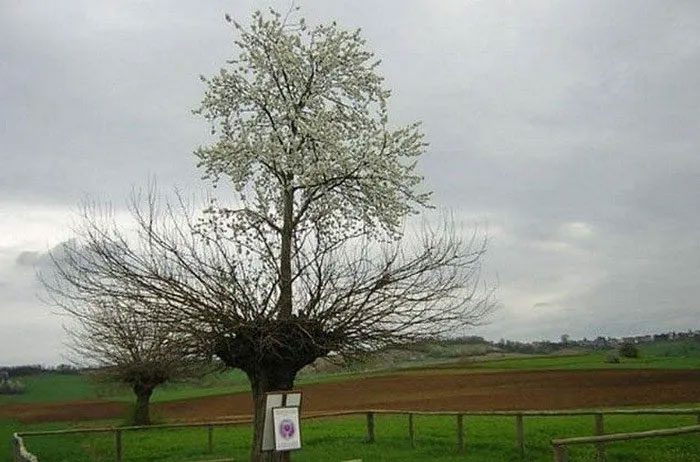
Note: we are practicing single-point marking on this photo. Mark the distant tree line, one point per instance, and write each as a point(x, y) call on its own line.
point(546, 346)
point(36, 369)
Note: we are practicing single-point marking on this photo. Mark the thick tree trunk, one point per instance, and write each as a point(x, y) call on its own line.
point(262, 382)
point(142, 413)
point(272, 365)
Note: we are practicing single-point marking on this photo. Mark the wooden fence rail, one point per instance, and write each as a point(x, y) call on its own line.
point(598, 426)
point(560, 445)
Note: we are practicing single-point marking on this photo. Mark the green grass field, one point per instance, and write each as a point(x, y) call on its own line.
point(487, 439)
point(584, 361)
point(51, 387)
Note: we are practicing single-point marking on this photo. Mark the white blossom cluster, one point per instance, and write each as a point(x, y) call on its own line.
point(302, 111)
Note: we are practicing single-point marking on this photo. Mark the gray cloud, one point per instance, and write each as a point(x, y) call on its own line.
point(572, 129)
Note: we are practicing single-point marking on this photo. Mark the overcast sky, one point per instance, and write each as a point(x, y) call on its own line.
point(570, 128)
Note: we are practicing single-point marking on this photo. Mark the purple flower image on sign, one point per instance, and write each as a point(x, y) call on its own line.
point(286, 429)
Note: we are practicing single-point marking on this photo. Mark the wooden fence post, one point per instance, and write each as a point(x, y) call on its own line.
point(560, 454)
point(210, 438)
point(411, 433)
point(520, 432)
point(370, 427)
point(118, 444)
point(599, 430)
point(460, 433)
point(15, 449)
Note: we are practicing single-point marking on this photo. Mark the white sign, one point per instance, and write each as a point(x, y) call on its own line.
point(273, 400)
point(293, 399)
point(287, 430)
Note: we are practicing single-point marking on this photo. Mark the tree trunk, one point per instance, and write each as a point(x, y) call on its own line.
point(263, 381)
point(271, 365)
point(285, 300)
point(142, 414)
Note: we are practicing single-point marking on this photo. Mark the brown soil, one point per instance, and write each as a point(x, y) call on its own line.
point(423, 391)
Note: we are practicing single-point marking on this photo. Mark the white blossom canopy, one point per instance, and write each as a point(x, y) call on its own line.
point(303, 111)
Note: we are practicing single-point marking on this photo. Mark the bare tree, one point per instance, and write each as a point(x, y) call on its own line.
point(313, 256)
point(121, 340)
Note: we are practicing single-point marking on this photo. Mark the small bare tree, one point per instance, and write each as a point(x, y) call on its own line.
point(123, 343)
point(312, 257)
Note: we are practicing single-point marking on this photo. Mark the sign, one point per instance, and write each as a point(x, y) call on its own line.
point(275, 400)
point(287, 430)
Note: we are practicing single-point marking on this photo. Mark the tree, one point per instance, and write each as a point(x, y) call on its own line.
point(8, 386)
point(629, 350)
point(119, 341)
point(312, 256)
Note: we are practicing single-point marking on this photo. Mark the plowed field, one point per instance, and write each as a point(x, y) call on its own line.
point(422, 391)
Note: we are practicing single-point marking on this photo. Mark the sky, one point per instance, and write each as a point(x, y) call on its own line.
point(569, 131)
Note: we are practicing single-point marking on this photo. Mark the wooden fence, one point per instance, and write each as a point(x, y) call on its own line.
point(519, 417)
point(560, 445)
point(19, 452)
point(22, 455)
point(117, 433)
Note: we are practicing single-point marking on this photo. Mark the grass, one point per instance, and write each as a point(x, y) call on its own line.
point(487, 439)
point(53, 387)
point(7, 428)
point(586, 361)
point(680, 349)
point(235, 382)
point(683, 354)
point(220, 383)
